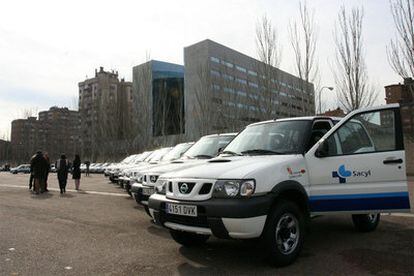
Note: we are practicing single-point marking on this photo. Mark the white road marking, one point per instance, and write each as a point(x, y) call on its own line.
point(68, 267)
point(12, 249)
point(73, 191)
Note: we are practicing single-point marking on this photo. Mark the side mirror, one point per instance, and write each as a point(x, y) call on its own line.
point(323, 150)
point(220, 150)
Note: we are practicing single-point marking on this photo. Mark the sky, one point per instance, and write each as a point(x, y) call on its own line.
point(48, 47)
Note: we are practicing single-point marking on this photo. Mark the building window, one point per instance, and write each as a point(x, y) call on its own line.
point(253, 84)
point(242, 81)
point(228, 64)
point(215, 73)
point(228, 90)
point(241, 93)
point(214, 59)
point(241, 69)
point(228, 77)
point(252, 73)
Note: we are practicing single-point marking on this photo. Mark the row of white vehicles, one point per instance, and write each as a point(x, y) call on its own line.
point(270, 179)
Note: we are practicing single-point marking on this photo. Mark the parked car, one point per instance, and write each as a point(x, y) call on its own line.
point(205, 148)
point(174, 154)
point(275, 175)
point(24, 168)
point(152, 160)
point(134, 160)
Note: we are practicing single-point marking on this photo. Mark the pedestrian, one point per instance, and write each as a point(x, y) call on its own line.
point(31, 172)
point(38, 164)
point(47, 170)
point(76, 172)
point(87, 163)
point(62, 172)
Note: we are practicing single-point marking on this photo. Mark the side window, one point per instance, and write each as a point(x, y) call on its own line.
point(366, 132)
point(319, 129)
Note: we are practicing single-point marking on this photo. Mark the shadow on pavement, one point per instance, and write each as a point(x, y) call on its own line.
point(42, 196)
point(157, 231)
point(66, 195)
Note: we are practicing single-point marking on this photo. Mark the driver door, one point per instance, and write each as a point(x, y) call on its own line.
point(359, 165)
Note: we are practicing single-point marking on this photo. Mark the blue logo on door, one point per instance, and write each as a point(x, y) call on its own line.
point(341, 174)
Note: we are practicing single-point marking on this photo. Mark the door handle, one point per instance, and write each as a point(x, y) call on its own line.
point(392, 161)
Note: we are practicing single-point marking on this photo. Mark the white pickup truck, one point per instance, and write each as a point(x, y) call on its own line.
point(275, 175)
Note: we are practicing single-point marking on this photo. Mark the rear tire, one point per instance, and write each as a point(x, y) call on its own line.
point(188, 239)
point(366, 222)
point(284, 233)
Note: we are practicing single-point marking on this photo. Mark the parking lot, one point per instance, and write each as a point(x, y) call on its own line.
point(101, 230)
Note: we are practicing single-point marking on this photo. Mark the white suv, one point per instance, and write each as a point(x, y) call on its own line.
point(205, 148)
point(276, 174)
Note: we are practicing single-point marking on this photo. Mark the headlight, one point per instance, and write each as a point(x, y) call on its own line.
point(139, 178)
point(161, 187)
point(234, 188)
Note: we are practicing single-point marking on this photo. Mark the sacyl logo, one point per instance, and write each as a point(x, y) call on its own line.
point(342, 174)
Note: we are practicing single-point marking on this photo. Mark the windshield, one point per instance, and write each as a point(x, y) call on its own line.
point(208, 147)
point(128, 159)
point(142, 156)
point(158, 154)
point(177, 151)
point(285, 137)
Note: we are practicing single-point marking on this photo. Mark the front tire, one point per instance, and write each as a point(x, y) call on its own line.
point(284, 233)
point(188, 239)
point(366, 222)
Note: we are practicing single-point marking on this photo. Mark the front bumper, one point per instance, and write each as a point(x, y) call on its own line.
point(223, 218)
point(140, 197)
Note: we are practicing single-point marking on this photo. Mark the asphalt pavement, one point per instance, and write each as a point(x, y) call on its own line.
point(101, 231)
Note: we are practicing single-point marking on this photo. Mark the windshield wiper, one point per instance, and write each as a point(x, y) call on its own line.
point(203, 156)
point(231, 153)
point(261, 152)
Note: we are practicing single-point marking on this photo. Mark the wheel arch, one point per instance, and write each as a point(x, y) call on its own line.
point(293, 191)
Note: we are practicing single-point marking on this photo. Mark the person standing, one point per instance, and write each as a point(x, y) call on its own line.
point(38, 168)
point(62, 172)
point(76, 172)
point(46, 170)
point(87, 163)
point(31, 172)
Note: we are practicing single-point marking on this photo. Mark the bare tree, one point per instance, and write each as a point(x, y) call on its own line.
point(353, 87)
point(205, 102)
point(269, 53)
point(142, 94)
point(28, 112)
point(303, 39)
point(401, 49)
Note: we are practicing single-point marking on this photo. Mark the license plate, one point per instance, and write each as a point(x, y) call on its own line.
point(148, 191)
point(183, 210)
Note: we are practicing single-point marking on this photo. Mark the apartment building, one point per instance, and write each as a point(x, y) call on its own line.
point(106, 111)
point(55, 132)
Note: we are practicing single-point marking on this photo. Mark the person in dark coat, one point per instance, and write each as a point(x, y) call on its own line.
point(62, 167)
point(47, 170)
point(87, 163)
point(76, 172)
point(38, 165)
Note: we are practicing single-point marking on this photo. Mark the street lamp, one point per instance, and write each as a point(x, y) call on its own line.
point(320, 94)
